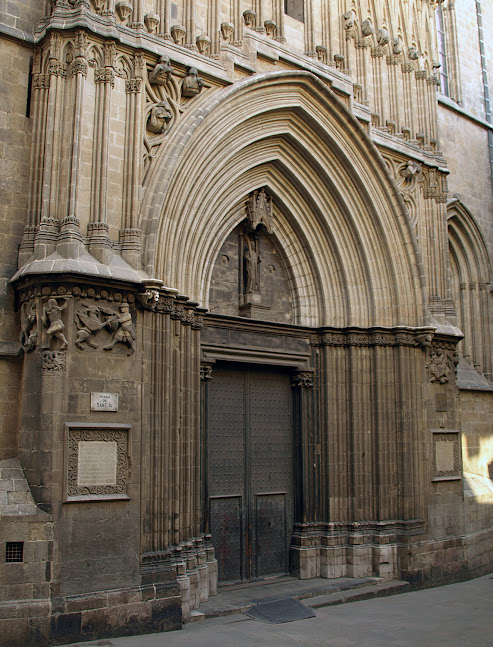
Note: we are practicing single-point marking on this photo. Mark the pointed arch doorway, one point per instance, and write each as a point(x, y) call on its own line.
point(250, 470)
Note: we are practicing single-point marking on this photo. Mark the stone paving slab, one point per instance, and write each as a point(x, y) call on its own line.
point(457, 615)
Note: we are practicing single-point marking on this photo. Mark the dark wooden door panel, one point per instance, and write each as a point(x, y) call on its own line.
point(250, 470)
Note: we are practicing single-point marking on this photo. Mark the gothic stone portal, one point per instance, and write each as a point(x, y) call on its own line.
point(250, 470)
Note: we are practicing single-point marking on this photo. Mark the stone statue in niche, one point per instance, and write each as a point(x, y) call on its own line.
point(160, 75)
point(29, 336)
point(124, 330)
point(192, 83)
point(52, 321)
point(251, 261)
point(159, 117)
point(259, 210)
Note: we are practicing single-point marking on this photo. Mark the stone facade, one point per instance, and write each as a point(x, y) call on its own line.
point(210, 212)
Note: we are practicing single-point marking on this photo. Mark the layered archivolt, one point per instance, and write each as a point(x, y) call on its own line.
point(339, 218)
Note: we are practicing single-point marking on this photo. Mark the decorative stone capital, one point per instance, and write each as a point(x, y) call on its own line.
point(133, 86)
point(79, 66)
point(302, 380)
point(57, 68)
point(206, 371)
point(41, 81)
point(105, 75)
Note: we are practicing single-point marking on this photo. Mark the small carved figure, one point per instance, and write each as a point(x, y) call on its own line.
point(413, 53)
point(88, 321)
point(52, 320)
point(438, 367)
point(159, 117)
point(161, 73)
point(251, 264)
point(424, 340)
point(411, 169)
point(383, 37)
point(397, 46)
point(349, 19)
point(29, 339)
point(367, 29)
point(192, 83)
point(124, 332)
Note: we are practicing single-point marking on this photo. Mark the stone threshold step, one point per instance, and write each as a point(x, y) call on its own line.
point(318, 593)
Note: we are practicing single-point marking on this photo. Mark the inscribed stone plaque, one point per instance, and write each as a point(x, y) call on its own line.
point(446, 455)
point(104, 401)
point(97, 462)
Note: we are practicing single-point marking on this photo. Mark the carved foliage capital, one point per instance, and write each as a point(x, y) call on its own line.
point(302, 380)
point(105, 75)
point(133, 85)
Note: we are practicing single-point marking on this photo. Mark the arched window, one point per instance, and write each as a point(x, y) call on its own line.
point(446, 31)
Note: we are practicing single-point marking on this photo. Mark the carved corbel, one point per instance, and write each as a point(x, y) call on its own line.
point(302, 380)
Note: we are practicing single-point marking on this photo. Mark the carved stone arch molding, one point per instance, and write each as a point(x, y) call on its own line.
point(336, 200)
point(470, 270)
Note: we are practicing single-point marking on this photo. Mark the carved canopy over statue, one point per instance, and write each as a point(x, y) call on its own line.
point(259, 210)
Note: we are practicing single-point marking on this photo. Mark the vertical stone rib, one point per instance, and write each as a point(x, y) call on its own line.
point(190, 24)
point(309, 30)
point(165, 422)
point(132, 171)
point(359, 425)
point(164, 13)
point(214, 12)
point(237, 20)
point(177, 452)
point(99, 243)
point(196, 450)
point(51, 148)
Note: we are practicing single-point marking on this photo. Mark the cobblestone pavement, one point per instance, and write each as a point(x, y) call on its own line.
point(457, 615)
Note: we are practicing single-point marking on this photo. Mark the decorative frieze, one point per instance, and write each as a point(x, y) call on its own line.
point(380, 337)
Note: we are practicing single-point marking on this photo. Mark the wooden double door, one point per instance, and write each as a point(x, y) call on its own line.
point(249, 470)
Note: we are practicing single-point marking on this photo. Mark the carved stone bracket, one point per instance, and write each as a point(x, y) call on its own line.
point(206, 370)
point(302, 380)
point(53, 361)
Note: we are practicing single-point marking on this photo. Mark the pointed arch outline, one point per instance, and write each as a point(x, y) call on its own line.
point(339, 193)
point(470, 269)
